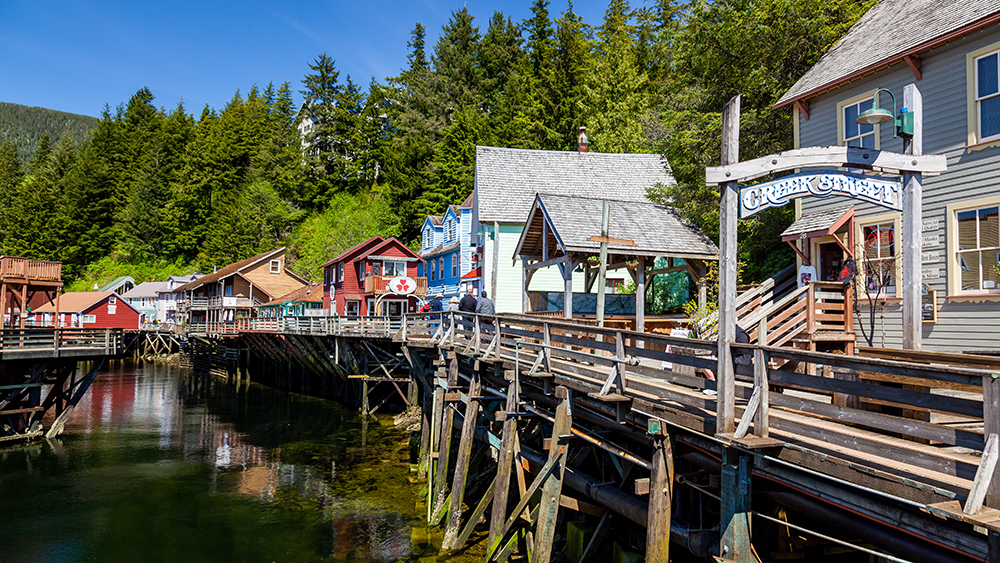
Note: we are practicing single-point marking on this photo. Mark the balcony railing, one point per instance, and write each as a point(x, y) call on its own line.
point(379, 285)
point(232, 301)
point(15, 267)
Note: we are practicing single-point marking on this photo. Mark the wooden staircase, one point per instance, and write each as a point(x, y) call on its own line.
point(817, 316)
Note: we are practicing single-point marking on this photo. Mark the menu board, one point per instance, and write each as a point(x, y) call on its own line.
point(928, 304)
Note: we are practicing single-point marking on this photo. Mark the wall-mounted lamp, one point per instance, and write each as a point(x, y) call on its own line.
point(876, 116)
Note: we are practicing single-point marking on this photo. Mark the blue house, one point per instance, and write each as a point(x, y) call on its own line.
point(449, 251)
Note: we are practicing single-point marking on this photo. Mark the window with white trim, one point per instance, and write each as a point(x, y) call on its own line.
point(112, 300)
point(856, 134)
point(393, 268)
point(454, 265)
point(978, 252)
point(433, 270)
point(88, 319)
point(878, 265)
point(340, 272)
point(275, 266)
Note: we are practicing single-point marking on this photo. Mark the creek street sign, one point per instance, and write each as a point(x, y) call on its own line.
point(776, 193)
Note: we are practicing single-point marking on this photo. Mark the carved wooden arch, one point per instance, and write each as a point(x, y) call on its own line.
point(809, 157)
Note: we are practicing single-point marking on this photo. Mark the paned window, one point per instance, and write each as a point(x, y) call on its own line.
point(878, 264)
point(978, 251)
point(855, 134)
point(89, 319)
point(433, 270)
point(454, 265)
point(340, 272)
point(988, 96)
point(275, 266)
point(441, 266)
point(395, 268)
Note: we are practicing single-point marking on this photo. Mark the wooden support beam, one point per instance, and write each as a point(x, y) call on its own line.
point(545, 526)
point(984, 475)
point(452, 527)
point(504, 464)
point(661, 494)
point(728, 210)
point(480, 509)
point(444, 450)
point(735, 507)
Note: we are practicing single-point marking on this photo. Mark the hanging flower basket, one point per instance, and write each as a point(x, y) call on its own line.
point(594, 261)
point(633, 266)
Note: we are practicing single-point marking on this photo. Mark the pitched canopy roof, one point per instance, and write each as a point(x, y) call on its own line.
point(890, 31)
point(508, 179)
point(375, 240)
point(656, 230)
point(307, 293)
point(78, 301)
point(819, 222)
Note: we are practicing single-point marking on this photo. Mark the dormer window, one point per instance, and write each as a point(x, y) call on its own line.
point(275, 266)
point(112, 300)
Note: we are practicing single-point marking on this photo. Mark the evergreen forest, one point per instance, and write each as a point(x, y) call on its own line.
point(158, 188)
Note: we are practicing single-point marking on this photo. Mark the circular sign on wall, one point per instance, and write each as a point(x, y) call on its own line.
point(402, 285)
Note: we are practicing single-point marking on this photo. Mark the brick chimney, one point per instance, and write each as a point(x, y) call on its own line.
point(581, 141)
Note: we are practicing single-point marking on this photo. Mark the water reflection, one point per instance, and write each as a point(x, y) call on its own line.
point(157, 465)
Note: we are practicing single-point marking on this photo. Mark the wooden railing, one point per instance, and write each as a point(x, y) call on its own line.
point(823, 416)
point(57, 343)
point(376, 327)
point(379, 285)
point(14, 267)
point(232, 301)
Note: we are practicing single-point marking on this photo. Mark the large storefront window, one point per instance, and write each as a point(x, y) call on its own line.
point(978, 249)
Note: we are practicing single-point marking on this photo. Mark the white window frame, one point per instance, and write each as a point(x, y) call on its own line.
point(975, 140)
point(842, 139)
point(112, 299)
point(433, 269)
point(882, 220)
point(396, 270)
point(454, 265)
point(955, 291)
point(357, 308)
point(275, 266)
point(340, 272)
point(88, 319)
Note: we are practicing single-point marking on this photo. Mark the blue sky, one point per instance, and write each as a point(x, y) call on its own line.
point(77, 56)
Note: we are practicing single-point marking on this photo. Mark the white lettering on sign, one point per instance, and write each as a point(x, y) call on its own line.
point(776, 193)
point(930, 240)
point(930, 257)
point(930, 225)
point(930, 273)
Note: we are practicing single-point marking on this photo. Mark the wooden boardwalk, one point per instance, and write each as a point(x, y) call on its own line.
point(909, 444)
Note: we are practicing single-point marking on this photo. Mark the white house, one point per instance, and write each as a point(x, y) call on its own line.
point(506, 183)
point(167, 299)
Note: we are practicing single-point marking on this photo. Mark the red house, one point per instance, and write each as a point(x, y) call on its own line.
point(358, 278)
point(88, 309)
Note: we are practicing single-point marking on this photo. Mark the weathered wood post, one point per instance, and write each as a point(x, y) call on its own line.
point(725, 403)
point(603, 268)
point(454, 522)
point(735, 507)
point(505, 458)
point(444, 449)
point(912, 224)
point(548, 509)
point(661, 494)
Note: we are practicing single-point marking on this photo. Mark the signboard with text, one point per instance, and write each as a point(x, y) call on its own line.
point(823, 183)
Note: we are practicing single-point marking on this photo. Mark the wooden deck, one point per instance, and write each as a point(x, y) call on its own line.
point(848, 418)
point(32, 344)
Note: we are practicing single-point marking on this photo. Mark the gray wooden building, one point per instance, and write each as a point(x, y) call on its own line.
point(951, 52)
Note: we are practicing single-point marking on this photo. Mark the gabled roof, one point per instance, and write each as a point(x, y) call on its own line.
point(79, 301)
point(117, 283)
point(889, 33)
point(145, 289)
point(392, 241)
point(656, 230)
point(824, 221)
point(508, 179)
point(231, 269)
point(312, 293)
point(377, 239)
point(467, 204)
point(441, 248)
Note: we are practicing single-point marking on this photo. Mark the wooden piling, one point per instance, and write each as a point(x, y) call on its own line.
point(545, 525)
point(661, 494)
point(462, 466)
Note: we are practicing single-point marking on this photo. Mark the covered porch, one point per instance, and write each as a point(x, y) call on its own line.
point(597, 236)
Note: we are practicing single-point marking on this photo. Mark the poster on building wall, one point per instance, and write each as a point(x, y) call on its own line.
point(883, 191)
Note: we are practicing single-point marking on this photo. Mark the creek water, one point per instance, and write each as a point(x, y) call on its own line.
point(158, 464)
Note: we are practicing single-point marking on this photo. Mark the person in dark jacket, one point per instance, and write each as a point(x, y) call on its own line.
point(468, 305)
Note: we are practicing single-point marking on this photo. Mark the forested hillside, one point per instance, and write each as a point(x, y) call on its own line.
point(156, 191)
point(24, 126)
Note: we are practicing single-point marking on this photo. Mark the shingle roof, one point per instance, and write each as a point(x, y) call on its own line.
point(657, 230)
point(311, 292)
point(888, 32)
point(228, 270)
point(820, 220)
point(145, 289)
point(508, 179)
point(76, 301)
point(441, 248)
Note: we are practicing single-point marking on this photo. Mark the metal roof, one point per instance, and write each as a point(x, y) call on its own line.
point(508, 179)
point(818, 221)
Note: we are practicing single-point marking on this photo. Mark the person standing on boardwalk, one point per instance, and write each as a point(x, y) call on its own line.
point(468, 305)
point(485, 307)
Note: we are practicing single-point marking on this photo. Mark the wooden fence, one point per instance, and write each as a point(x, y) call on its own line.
point(18, 344)
point(815, 402)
